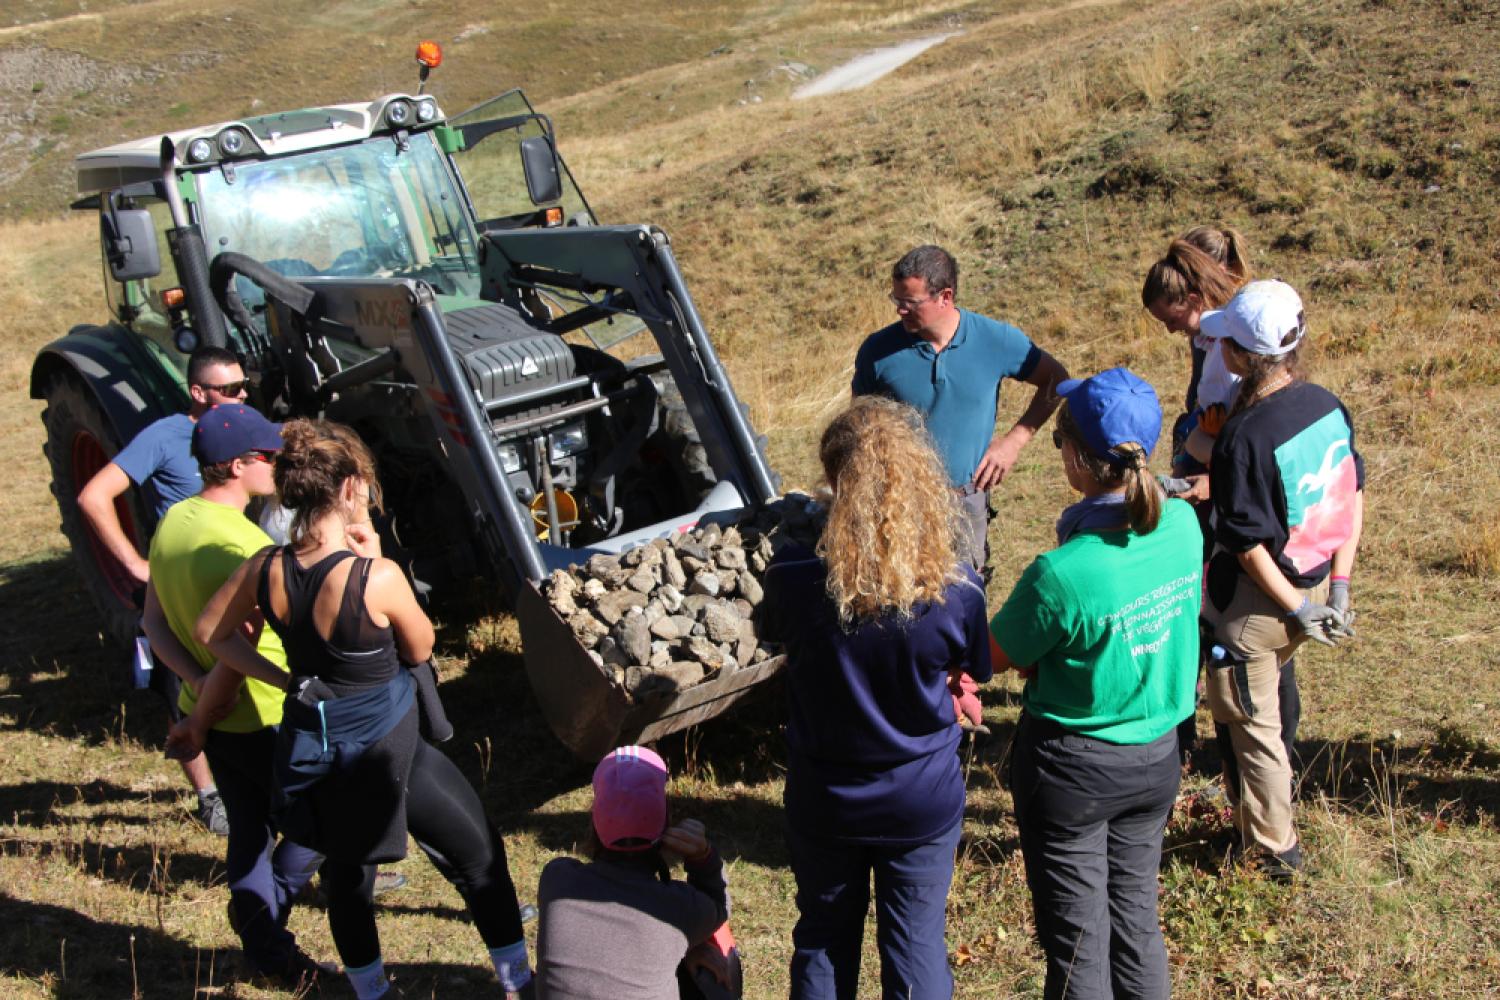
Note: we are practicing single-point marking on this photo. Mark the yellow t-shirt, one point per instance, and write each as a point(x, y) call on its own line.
point(197, 546)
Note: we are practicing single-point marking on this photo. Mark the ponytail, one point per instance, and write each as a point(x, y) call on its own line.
point(1142, 493)
point(1127, 465)
point(1204, 261)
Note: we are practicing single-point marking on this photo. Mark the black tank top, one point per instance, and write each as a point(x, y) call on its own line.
point(358, 653)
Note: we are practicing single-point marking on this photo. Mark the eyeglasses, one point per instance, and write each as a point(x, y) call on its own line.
point(227, 389)
point(907, 305)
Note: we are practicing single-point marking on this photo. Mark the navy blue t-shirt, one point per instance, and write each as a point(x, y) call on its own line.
point(871, 735)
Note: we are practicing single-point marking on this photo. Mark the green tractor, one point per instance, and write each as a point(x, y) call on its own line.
point(481, 331)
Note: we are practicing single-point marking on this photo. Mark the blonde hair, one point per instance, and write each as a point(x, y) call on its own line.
point(891, 540)
point(1205, 261)
point(1143, 496)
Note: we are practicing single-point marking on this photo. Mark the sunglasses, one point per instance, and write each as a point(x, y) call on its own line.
point(259, 456)
point(227, 389)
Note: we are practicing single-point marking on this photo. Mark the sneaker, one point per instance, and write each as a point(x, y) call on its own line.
point(212, 815)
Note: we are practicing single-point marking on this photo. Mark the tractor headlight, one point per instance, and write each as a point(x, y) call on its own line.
point(200, 150)
point(398, 114)
point(426, 111)
point(510, 456)
point(232, 142)
point(569, 440)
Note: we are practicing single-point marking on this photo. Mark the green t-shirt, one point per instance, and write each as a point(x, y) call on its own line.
point(197, 546)
point(1109, 621)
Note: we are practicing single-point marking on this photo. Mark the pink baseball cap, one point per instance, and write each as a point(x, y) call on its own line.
point(630, 799)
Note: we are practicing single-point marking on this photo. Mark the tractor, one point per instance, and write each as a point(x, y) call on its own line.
point(536, 386)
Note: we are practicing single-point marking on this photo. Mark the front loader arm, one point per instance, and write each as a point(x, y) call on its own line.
point(400, 319)
point(610, 270)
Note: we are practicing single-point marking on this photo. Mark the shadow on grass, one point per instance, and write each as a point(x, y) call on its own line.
point(1456, 777)
point(135, 868)
point(79, 958)
point(62, 674)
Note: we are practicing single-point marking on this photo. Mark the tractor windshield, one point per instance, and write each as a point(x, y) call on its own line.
point(371, 209)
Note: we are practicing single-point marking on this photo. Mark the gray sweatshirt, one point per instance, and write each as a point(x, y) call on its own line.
point(616, 932)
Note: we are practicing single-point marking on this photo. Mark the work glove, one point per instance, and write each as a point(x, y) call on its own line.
point(1338, 600)
point(1319, 622)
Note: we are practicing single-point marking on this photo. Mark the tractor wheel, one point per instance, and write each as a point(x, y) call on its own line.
point(677, 437)
point(80, 442)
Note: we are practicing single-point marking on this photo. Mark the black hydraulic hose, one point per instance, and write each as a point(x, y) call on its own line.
point(190, 255)
point(221, 275)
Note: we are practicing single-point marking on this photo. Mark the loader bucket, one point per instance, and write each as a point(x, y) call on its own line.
point(588, 712)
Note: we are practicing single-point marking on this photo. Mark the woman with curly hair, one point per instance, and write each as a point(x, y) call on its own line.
point(873, 623)
point(354, 774)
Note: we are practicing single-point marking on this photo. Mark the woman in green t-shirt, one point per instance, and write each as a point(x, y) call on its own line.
point(1105, 629)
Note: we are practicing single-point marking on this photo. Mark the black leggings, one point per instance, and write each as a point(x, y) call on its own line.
point(444, 815)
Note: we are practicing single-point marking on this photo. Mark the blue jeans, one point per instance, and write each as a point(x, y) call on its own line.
point(264, 876)
point(911, 902)
point(1091, 816)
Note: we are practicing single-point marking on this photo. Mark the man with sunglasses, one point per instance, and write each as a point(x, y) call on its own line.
point(200, 542)
point(948, 363)
point(158, 460)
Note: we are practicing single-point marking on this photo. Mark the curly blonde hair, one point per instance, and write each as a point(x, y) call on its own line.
point(891, 540)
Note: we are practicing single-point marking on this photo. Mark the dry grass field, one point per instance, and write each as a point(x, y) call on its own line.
point(1054, 147)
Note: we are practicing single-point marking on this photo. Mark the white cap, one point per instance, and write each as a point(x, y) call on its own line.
point(1259, 318)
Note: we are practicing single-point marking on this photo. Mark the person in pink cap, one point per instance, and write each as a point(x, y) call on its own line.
point(619, 926)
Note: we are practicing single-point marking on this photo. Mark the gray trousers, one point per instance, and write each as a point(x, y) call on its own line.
point(1091, 816)
point(976, 515)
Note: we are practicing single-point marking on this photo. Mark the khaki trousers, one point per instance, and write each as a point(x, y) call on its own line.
point(1242, 694)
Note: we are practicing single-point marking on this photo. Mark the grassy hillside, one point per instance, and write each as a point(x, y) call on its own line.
point(1054, 148)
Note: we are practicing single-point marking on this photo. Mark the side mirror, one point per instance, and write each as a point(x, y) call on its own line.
point(539, 161)
point(130, 245)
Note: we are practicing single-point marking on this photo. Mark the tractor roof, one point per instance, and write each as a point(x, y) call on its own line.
point(264, 136)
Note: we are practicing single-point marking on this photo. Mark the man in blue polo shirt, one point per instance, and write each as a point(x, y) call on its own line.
point(948, 363)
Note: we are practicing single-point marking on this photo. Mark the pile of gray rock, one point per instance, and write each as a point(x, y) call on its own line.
point(671, 613)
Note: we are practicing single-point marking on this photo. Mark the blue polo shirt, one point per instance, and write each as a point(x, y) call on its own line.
point(161, 459)
point(956, 389)
point(871, 734)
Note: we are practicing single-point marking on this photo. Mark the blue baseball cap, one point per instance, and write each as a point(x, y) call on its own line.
point(1113, 408)
point(230, 430)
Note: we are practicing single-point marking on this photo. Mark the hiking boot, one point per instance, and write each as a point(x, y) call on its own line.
point(212, 815)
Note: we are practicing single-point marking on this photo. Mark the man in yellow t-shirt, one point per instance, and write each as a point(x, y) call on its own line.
point(198, 544)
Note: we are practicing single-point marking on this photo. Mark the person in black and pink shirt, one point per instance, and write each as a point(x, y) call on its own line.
point(874, 623)
point(1288, 492)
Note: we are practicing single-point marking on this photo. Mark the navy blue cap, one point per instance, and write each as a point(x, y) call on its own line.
point(230, 430)
point(1113, 408)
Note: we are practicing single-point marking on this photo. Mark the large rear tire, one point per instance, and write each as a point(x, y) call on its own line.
point(80, 442)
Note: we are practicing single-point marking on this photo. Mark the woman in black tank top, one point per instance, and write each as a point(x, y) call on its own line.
point(355, 775)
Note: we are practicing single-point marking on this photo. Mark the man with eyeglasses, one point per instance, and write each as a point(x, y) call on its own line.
point(948, 363)
point(158, 460)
